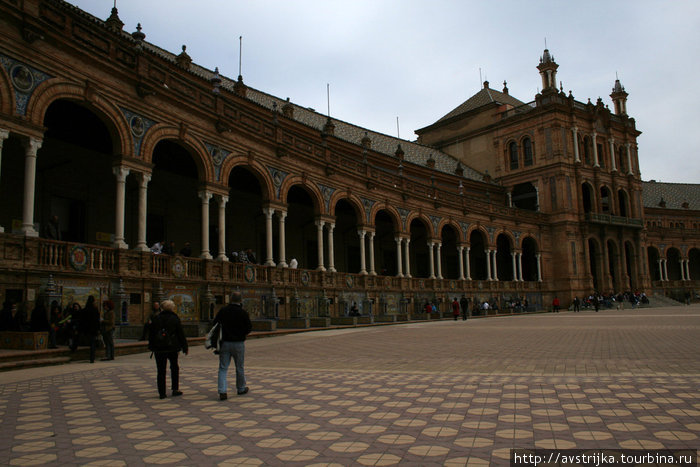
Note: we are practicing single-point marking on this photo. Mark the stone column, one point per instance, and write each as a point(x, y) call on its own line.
point(283, 240)
point(629, 159)
point(31, 148)
point(520, 267)
point(121, 174)
point(595, 151)
point(141, 244)
point(407, 250)
point(205, 196)
point(398, 257)
point(539, 267)
point(461, 262)
point(495, 265)
point(660, 262)
point(613, 165)
point(363, 263)
point(222, 228)
point(372, 272)
point(439, 260)
point(331, 251)
point(537, 197)
point(466, 263)
point(4, 134)
point(488, 265)
point(431, 259)
point(574, 131)
point(269, 259)
point(515, 265)
point(665, 263)
point(319, 237)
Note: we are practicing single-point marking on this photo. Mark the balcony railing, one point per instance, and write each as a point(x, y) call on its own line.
point(613, 220)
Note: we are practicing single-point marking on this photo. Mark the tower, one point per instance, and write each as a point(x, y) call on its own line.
point(548, 71)
point(619, 98)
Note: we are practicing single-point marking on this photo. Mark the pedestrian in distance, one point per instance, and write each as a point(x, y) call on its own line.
point(166, 339)
point(89, 325)
point(555, 305)
point(577, 304)
point(235, 326)
point(455, 309)
point(108, 325)
point(464, 304)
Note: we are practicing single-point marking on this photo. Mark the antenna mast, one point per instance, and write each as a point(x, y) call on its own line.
point(328, 98)
point(398, 133)
point(240, 54)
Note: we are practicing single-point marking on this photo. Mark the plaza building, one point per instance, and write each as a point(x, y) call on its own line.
point(128, 144)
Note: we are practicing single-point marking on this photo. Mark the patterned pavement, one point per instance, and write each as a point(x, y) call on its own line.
point(434, 393)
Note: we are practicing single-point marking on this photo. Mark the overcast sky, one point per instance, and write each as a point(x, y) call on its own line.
point(419, 59)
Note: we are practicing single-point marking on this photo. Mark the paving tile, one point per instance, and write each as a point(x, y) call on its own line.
point(435, 393)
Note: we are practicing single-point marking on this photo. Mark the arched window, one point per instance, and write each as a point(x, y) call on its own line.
point(513, 152)
point(601, 154)
point(605, 200)
point(527, 152)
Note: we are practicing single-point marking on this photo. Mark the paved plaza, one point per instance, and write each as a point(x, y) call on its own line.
point(433, 393)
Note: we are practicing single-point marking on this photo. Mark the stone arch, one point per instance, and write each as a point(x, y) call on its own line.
point(258, 170)
point(311, 188)
point(479, 242)
point(424, 220)
point(196, 149)
point(694, 263)
point(527, 143)
point(52, 90)
point(588, 197)
point(455, 226)
point(530, 250)
point(393, 214)
point(623, 203)
point(450, 238)
point(673, 266)
point(353, 200)
point(504, 259)
point(653, 257)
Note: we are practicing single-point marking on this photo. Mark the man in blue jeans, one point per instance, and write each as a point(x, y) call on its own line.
point(235, 326)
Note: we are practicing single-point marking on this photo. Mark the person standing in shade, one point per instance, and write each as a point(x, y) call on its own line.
point(464, 304)
point(455, 309)
point(108, 329)
point(555, 305)
point(166, 339)
point(89, 325)
point(147, 325)
point(235, 326)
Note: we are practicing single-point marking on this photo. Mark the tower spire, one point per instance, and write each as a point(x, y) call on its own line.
point(548, 71)
point(619, 97)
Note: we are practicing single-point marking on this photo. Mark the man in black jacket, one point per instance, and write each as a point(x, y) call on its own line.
point(235, 326)
point(166, 338)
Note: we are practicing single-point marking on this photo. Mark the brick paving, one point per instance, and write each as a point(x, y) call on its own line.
point(433, 393)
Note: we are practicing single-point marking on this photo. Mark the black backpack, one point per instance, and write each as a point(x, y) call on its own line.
point(162, 335)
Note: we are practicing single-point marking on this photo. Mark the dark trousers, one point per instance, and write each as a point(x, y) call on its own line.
point(161, 363)
point(92, 339)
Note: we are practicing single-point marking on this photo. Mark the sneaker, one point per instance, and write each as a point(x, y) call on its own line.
point(177, 393)
point(245, 391)
point(223, 396)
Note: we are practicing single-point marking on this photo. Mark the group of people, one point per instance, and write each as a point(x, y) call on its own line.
point(612, 300)
point(161, 248)
point(166, 338)
point(73, 326)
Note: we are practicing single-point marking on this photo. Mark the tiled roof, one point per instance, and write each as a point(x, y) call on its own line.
point(483, 97)
point(674, 194)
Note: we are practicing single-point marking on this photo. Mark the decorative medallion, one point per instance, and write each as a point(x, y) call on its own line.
point(278, 177)
point(137, 126)
point(78, 257)
point(326, 192)
point(178, 267)
point(22, 78)
point(249, 273)
point(305, 278)
point(217, 156)
point(349, 281)
point(453, 285)
point(436, 223)
point(368, 204)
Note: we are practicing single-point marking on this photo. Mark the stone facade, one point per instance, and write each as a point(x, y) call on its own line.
point(129, 144)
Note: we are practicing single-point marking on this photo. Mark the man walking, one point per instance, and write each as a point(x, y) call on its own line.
point(464, 304)
point(235, 326)
point(166, 339)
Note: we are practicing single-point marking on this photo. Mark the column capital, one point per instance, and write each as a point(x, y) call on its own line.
point(144, 179)
point(204, 195)
point(4, 134)
point(331, 226)
point(32, 146)
point(281, 213)
point(361, 233)
point(319, 222)
point(222, 199)
point(120, 172)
